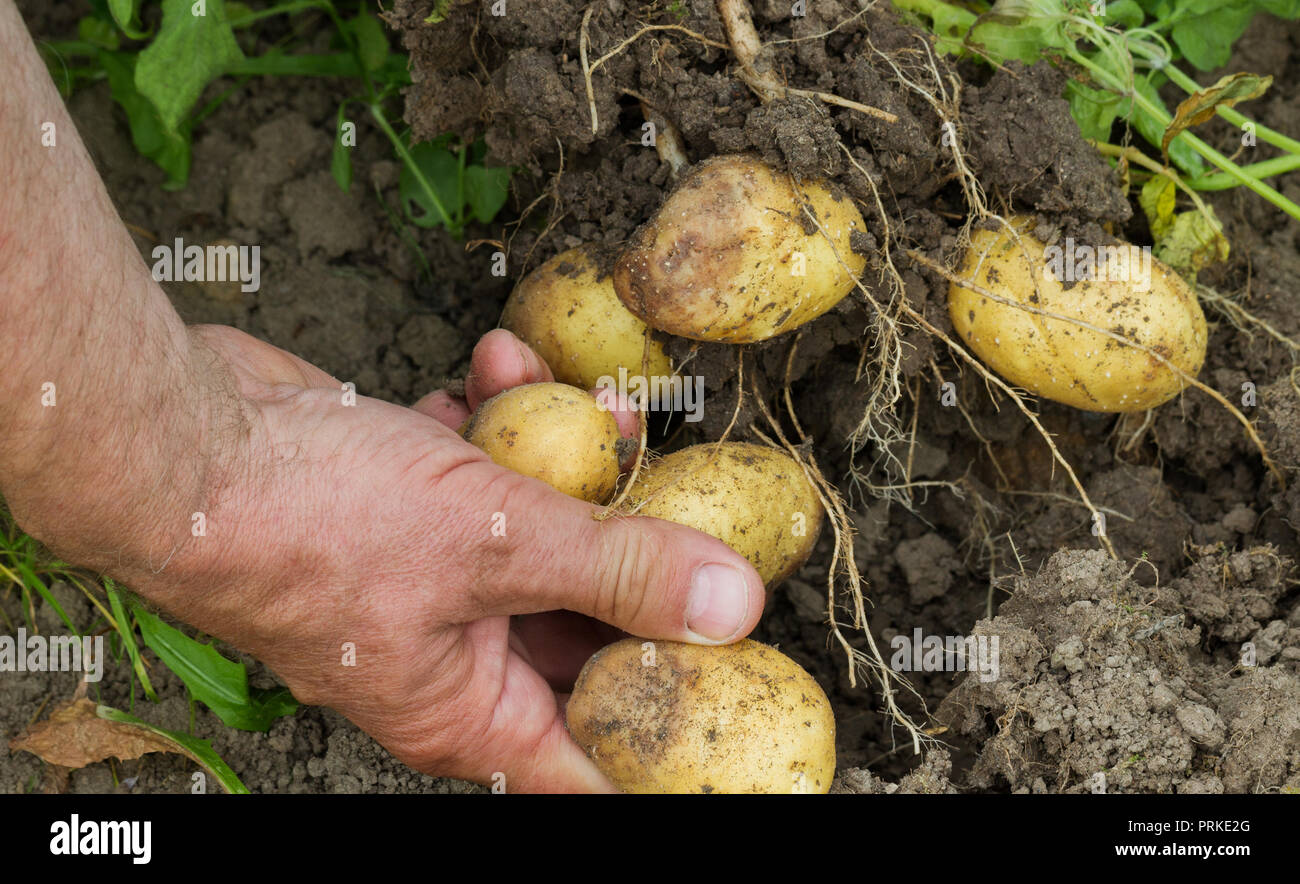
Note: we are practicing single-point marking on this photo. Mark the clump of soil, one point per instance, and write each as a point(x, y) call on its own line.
point(1109, 685)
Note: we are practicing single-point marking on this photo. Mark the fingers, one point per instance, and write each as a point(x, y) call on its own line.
point(558, 643)
point(501, 361)
point(613, 401)
point(528, 743)
point(443, 407)
point(538, 550)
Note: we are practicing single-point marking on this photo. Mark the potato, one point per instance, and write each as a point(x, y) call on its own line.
point(1064, 361)
point(754, 499)
point(731, 255)
point(670, 717)
point(553, 432)
point(567, 311)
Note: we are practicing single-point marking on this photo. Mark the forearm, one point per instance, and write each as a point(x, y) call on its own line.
point(101, 429)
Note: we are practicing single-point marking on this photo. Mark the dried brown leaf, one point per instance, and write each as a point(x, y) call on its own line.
point(74, 736)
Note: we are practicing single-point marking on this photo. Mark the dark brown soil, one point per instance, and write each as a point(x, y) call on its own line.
point(1127, 669)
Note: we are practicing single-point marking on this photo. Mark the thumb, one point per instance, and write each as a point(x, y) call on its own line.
point(649, 577)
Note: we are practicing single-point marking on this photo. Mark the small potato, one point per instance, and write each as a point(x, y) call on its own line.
point(754, 499)
point(1064, 361)
point(731, 256)
point(552, 432)
point(669, 717)
point(567, 311)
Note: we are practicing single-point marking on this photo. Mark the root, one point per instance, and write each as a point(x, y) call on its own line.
point(1242, 319)
point(945, 107)
point(584, 41)
point(746, 46)
point(970, 422)
point(553, 217)
point(879, 422)
point(844, 563)
point(1024, 409)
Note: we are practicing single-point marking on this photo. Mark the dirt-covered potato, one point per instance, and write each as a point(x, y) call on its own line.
point(1127, 292)
point(732, 256)
point(553, 432)
point(567, 311)
point(670, 717)
point(754, 499)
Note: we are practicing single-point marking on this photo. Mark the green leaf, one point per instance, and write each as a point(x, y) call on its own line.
point(1287, 9)
point(170, 150)
point(189, 52)
point(372, 42)
point(1153, 130)
point(34, 582)
point(486, 190)
point(1206, 40)
point(1193, 241)
point(98, 32)
point(1020, 29)
point(441, 168)
point(1124, 14)
point(128, 638)
point(1094, 110)
point(237, 13)
point(218, 683)
point(341, 158)
point(126, 13)
point(200, 751)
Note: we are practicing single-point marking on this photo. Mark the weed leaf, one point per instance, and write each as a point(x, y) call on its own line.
point(218, 683)
point(486, 190)
point(189, 52)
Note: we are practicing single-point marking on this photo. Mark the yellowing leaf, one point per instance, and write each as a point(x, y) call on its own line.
point(1157, 201)
point(1200, 106)
point(1186, 241)
point(1193, 241)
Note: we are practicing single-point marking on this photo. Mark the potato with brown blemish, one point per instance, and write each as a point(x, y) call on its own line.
point(732, 256)
point(553, 432)
point(755, 499)
point(671, 717)
point(1124, 292)
point(566, 310)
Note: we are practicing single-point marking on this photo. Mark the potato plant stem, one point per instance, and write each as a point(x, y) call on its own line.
point(1263, 169)
point(382, 121)
point(1111, 81)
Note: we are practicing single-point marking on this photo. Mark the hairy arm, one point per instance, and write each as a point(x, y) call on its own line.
point(99, 391)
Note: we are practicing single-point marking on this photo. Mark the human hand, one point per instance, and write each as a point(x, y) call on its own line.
point(371, 524)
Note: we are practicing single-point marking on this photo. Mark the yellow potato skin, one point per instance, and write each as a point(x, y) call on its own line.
point(717, 261)
point(1063, 361)
point(740, 718)
point(752, 498)
point(566, 310)
point(553, 432)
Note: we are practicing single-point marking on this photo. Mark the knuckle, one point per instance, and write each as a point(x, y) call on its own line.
point(623, 589)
